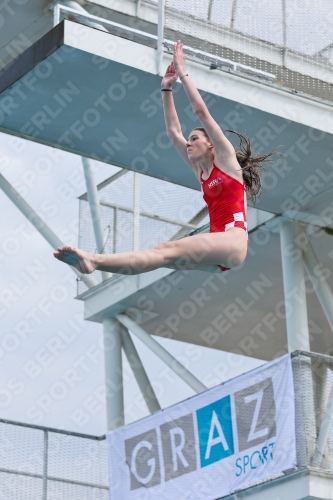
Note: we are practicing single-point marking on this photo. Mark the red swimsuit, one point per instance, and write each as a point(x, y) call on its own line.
point(224, 196)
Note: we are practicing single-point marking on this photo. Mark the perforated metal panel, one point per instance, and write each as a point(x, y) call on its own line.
point(21, 449)
point(15, 487)
point(286, 43)
point(42, 464)
point(77, 459)
point(61, 491)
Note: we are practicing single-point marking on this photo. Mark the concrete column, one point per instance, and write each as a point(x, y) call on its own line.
point(298, 334)
point(293, 283)
point(113, 374)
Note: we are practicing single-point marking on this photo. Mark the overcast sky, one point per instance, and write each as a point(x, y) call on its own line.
point(43, 335)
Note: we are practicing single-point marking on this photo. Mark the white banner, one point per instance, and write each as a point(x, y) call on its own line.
point(225, 439)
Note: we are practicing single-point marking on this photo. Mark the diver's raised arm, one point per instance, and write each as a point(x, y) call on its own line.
point(170, 114)
point(222, 145)
point(172, 123)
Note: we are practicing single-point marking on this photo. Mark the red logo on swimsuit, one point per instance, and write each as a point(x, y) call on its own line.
point(215, 182)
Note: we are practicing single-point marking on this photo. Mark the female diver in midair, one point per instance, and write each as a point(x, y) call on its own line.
point(225, 176)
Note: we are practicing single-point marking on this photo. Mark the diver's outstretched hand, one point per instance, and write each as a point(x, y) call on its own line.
point(81, 260)
point(170, 77)
point(179, 59)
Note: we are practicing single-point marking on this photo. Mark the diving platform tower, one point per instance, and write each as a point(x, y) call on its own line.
point(90, 84)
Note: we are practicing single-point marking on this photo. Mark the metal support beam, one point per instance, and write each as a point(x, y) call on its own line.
point(222, 61)
point(322, 398)
point(309, 219)
point(139, 372)
point(318, 279)
point(160, 35)
point(136, 212)
point(115, 230)
point(152, 216)
point(195, 221)
point(113, 374)
point(324, 431)
point(56, 15)
point(209, 13)
point(233, 14)
point(284, 33)
point(294, 291)
point(45, 463)
point(95, 209)
point(162, 353)
point(40, 225)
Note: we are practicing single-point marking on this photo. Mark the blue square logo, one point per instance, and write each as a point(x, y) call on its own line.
point(215, 432)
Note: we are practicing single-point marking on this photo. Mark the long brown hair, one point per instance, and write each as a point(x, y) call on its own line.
point(251, 166)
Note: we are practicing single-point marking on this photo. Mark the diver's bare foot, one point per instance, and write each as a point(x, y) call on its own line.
point(81, 260)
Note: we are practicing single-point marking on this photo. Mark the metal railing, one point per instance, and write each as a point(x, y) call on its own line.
point(137, 212)
point(159, 42)
point(40, 463)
